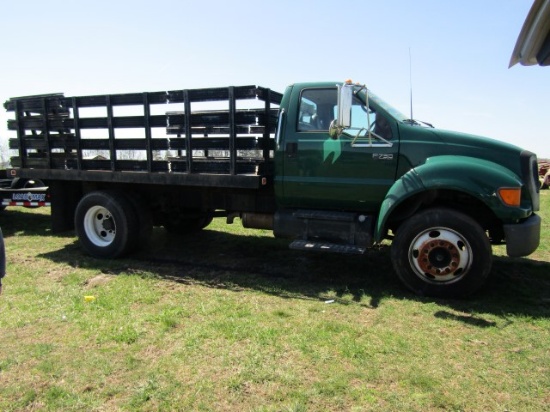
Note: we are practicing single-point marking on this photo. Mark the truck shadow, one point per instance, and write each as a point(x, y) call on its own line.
point(24, 222)
point(14, 220)
point(224, 260)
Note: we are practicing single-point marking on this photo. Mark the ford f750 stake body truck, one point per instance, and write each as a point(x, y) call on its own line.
point(330, 166)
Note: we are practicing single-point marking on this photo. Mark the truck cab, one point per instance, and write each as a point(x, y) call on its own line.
point(344, 155)
point(351, 172)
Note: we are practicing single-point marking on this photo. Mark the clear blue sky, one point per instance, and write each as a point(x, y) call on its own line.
point(460, 54)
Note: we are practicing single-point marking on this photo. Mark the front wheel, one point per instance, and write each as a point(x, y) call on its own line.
point(106, 224)
point(443, 253)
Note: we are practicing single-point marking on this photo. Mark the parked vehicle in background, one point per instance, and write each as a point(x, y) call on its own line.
point(2, 259)
point(15, 191)
point(328, 165)
point(544, 174)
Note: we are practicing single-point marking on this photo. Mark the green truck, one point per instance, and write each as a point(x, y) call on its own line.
point(330, 166)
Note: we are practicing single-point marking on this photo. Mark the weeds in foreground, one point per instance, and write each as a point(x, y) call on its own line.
point(232, 320)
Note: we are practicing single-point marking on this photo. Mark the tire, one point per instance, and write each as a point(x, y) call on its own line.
point(183, 226)
point(106, 224)
point(442, 253)
point(20, 183)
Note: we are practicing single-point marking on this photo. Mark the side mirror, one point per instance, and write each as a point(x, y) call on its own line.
point(343, 114)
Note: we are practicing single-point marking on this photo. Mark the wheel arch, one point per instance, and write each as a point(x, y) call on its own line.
point(451, 199)
point(465, 184)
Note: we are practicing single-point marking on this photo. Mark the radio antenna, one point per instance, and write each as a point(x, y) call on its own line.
point(410, 83)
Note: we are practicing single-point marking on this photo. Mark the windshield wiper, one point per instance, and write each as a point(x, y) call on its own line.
point(418, 123)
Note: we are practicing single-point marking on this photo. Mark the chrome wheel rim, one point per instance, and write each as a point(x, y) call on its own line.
point(440, 255)
point(99, 226)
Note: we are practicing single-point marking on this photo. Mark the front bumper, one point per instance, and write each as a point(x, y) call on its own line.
point(523, 238)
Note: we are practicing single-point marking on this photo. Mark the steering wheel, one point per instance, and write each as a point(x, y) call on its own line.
point(304, 127)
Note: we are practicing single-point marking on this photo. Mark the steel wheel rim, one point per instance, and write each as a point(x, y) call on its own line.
point(99, 226)
point(440, 255)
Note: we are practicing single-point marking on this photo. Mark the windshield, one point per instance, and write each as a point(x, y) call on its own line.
point(392, 111)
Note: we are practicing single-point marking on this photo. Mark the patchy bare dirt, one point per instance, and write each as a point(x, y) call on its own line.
point(98, 281)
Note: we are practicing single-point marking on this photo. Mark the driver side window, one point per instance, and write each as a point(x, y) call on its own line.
point(317, 108)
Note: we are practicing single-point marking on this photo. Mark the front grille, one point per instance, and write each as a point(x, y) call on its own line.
point(530, 177)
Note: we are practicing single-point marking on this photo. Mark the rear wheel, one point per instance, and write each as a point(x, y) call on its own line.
point(443, 253)
point(106, 224)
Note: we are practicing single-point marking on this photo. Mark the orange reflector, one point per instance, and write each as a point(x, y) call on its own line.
point(510, 196)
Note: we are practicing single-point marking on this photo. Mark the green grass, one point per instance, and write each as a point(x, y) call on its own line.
point(230, 319)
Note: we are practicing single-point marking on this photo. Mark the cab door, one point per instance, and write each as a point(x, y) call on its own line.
point(353, 172)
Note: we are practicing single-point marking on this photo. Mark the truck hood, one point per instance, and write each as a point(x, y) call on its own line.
point(464, 144)
point(471, 141)
point(419, 144)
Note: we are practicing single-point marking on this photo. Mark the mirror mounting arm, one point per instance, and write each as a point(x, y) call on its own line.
point(335, 130)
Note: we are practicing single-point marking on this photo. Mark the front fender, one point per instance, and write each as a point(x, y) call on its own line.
point(476, 177)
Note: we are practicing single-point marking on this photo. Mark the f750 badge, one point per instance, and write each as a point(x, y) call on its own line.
point(382, 156)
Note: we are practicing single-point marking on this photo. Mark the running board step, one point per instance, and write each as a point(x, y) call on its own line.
point(326, 247)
